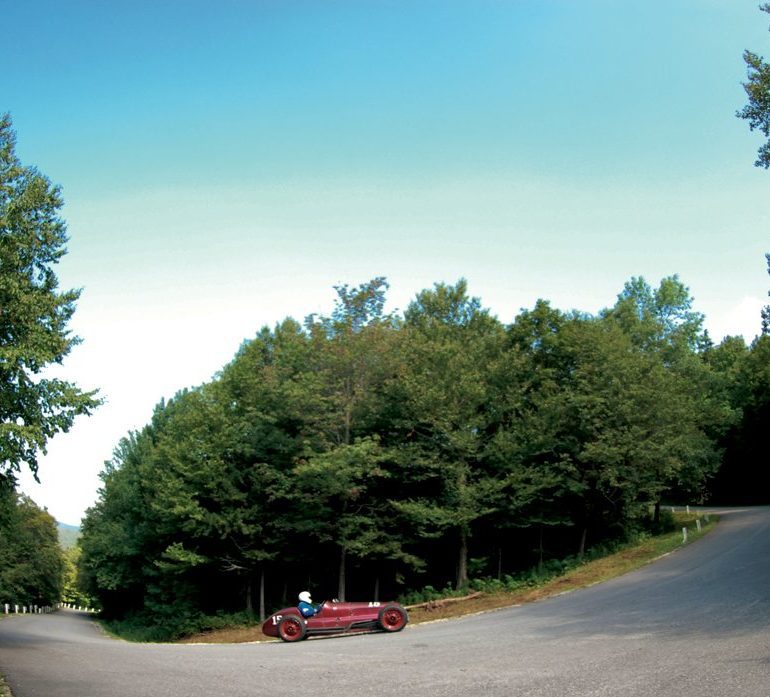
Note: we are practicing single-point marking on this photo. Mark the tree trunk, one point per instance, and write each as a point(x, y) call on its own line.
point(656, 514)
point(347, 421)
point(249, 605)
point(462, 561)
point(341, 586)
point(377, 588)
point(262, 595)
point(540, 552)
point(583, 536)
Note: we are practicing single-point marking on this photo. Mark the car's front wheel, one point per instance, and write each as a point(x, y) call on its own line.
point(292, 628)
point(392, 618)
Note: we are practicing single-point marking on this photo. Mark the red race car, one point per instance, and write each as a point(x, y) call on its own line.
point(334, 617)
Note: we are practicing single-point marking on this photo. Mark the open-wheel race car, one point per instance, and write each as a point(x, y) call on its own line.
point(333, 617)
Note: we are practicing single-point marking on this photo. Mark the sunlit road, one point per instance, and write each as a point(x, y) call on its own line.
point(694, 623)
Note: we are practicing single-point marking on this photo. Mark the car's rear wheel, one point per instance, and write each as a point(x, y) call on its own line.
point(292, 628)
point(392, 618)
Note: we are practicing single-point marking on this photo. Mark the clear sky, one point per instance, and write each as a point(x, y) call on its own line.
point(225, 164)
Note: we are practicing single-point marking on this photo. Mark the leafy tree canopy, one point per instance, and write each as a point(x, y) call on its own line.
point(34, 314)
point(31, 561)
point(757, 111)
point(766, 308)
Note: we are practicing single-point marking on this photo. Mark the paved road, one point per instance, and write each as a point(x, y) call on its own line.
point(696, 622)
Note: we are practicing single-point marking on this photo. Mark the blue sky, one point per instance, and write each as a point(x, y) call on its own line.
point(225, 164)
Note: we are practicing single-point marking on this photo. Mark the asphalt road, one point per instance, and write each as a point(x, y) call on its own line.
point(696, 622)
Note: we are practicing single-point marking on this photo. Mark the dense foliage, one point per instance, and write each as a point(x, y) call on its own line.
point(367, 454)
point(33, 314)
point(744, 476)
point(31, 563)
point(757, 109)
point(34, 406)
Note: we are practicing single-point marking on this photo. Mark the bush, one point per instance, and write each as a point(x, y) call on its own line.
point(161, 627)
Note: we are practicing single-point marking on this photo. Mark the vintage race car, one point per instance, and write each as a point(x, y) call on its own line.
point(335, 617)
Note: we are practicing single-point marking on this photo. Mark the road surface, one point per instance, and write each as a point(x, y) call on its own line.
point(696, 622)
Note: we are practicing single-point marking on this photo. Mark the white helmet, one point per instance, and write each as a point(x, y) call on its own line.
point(304, 597)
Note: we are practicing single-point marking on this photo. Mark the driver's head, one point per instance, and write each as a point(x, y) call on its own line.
point(304, 597)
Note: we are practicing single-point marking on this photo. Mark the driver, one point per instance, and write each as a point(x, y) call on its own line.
point(306, 606)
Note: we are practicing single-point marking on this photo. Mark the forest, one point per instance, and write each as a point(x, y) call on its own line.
point(364, 454)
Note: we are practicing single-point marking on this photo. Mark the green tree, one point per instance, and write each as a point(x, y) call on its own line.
point(351, 352)
point(663, 326)
point(117, 531)
point(71, 587)
point(536, 446)
point(341, 494)
point(581, 432)
point(353, 355)
point(31, 563)
point(660, 320)
point(640, 422)
point(33, 314)
point(210, 503)
point(275, 403)
point(766, 308)
point(744, 476)
point(757, 87)
point(449, 344)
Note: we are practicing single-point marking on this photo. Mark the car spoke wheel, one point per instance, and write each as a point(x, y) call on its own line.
point(291, 628)
point(393, 618)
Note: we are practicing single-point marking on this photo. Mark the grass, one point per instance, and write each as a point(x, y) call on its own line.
point(628, 558)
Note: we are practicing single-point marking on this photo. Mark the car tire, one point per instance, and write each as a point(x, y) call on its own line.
point(392, 618)
point(292, 628)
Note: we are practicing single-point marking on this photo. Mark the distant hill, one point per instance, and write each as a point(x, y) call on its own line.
point(68, 535)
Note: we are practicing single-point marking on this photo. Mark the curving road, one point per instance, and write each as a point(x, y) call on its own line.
point(696, 622)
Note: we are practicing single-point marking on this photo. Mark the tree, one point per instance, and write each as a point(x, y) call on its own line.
point(449, 345)
point(688, 412)
point(276, 403)
point(338, 490)
point(33, 314)
point(71, 591)
point(659, 320)
point(116, 532)
point(31, 563)
point(537, 443)
point(350, 351)
point(212, 500)
point(757, 111)
point(766, 308)
point(744, 476)
point(352, 355)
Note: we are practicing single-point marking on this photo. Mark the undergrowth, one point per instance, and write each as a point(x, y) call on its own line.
point(147, 628)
